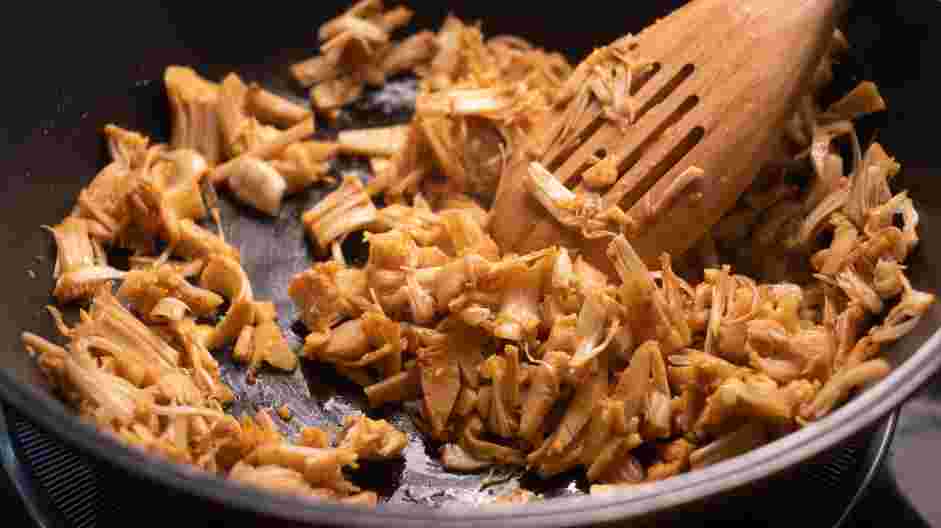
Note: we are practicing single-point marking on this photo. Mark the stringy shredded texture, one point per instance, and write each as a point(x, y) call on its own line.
point(538, 360)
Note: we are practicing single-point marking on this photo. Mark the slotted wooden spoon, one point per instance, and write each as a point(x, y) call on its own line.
point(725, 76)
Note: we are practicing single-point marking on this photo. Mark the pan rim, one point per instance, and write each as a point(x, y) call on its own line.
point(877, 401)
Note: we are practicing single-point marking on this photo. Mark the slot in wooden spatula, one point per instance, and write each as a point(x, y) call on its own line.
point(718, 79)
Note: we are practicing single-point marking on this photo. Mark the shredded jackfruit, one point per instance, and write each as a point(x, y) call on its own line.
point(537, 360)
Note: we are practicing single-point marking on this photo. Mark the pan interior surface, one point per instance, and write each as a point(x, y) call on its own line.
point(109, 70)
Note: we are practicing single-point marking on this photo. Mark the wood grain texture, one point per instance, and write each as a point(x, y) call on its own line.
point(734, 71)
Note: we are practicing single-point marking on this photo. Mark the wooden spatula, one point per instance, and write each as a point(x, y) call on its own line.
point(723, 77)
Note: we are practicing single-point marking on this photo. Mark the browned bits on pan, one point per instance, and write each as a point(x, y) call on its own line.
point(538, 359)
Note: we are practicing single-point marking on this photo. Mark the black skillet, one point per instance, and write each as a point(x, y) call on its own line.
point(72, 68)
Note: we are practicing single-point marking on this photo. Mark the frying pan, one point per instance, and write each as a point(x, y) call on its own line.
point(72, 68)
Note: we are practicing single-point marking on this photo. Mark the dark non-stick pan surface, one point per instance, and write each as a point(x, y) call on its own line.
point(75, 68)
